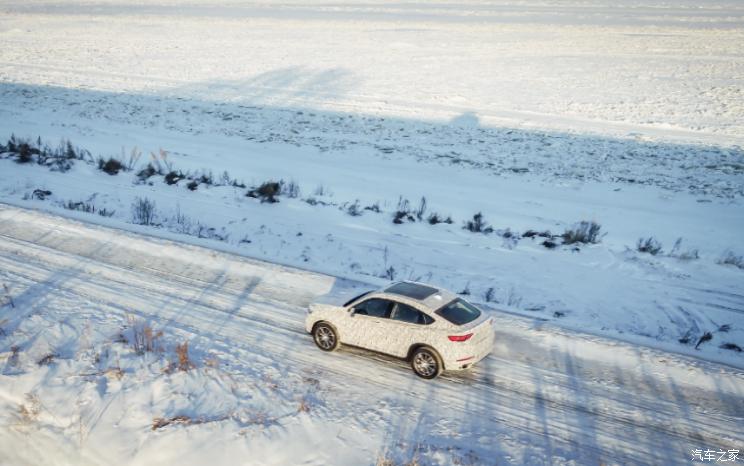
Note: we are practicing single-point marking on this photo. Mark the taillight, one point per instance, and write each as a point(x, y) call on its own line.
point(465, 337)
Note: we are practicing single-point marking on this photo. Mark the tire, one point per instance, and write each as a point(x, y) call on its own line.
point(426, 363)
point(325, 336)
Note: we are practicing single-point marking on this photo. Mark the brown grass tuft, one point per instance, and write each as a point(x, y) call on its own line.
point(144, 338)
point(30, 410)
point(160, 422)
point(114, 372)
point(184, 363)
point(212, 362)
point(304, 406)
point(48, 359)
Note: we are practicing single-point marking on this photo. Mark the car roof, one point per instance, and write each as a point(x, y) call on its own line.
point(431, 297)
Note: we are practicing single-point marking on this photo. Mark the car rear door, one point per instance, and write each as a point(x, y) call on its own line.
point(406, 326)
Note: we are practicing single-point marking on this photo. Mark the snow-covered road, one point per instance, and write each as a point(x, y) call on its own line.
point(545, 396)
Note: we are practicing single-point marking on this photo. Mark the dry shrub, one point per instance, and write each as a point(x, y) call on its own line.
point(184, 363)
point(143, 211)
point(48, 359)
point(270, 382)
point(144, 338)
point(30, 410)
point(212, 362)
point(384, 458)
point(304, 405)
point(729, 258)
point(114, 372)
point(160, 422)
point(182, 351)
point(258, 417)
point(584, 232)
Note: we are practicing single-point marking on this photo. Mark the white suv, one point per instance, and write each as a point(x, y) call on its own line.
point(432, 328)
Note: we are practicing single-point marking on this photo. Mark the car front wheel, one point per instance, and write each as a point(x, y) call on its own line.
point(426, 363)
point(325, 337)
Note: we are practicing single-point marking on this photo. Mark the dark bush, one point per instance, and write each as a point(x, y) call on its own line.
point(193, 184)
point(533, 233)
point(731, 346)
point(648, 245)
point(353, 209)
point(40, 194)
point(143, 211)
point(707, 336)
point(478, 225)
point(111, 166)
point(267, 192)
point(421, 210)
point(206, 178)
point(174, 177)
point(583, 232)
point(147, 172)
point(25, 153)
point(80, 206)
point(403, 212)
point(374, 208)
point(732, 259)
point(434, 218)
point(550, 244)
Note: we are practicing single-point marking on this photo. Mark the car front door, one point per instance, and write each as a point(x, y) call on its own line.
point(363, 324)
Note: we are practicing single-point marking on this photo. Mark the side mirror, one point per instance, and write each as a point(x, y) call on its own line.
point(352, 311)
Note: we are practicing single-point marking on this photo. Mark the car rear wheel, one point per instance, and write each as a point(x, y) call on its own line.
point(426, 363)
point(325, 337)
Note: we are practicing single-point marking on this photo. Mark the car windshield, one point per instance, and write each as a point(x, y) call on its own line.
point(459, 312)
point(356, 298)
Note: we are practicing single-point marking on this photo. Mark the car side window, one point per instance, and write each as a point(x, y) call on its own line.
point(374, 307)
point(405, 313)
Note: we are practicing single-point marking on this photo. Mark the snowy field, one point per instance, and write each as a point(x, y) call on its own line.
point(538, 115)
point(253, 389)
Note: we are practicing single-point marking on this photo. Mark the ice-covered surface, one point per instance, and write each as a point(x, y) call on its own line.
point(545, 396)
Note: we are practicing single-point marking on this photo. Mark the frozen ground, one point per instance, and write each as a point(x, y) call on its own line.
point(537, 114)
point(257, 391)
point(653, 68)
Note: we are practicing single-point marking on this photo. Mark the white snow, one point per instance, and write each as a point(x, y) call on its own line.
point(537, 114)
point(261, 393)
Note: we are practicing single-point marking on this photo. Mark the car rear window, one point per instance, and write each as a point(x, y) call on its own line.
point(406, 313)
point(459, 312)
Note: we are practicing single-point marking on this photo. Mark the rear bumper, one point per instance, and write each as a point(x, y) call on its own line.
point(468, 357)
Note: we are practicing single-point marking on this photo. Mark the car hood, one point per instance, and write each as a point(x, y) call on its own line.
point(319, 306)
